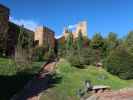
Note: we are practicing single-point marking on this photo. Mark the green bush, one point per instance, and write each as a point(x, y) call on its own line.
point(50, 54)
point(43, 54)
point(79, 58)
point(120, 62)
point(39, 53)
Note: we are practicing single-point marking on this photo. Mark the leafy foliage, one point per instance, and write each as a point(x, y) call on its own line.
point(86, 57)
point(119, 62)
point(38, 54)
point(69, 41)
point(24, 50)
point(13, 81)
point(79, 41)
point(111, 42)
point(74, 78)
point(129, 42)
point(97, 41)
point(50, 54)
point(99, 46)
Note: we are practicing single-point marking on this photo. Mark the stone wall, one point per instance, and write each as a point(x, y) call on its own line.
point(80, 27)
point(39, 36)
point(4, 18)
point(12, 37)
point(44, 37)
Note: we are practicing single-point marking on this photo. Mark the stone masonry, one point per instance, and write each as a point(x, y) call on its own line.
point(44, 37)
point(4, 17)
point(80, 27)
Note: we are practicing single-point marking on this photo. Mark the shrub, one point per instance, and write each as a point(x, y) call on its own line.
point(80, 58)
point(50, 54)
point(120, 62)
point(39, 53)
point(23, 50)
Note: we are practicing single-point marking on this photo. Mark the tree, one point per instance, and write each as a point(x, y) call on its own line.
point(98, 45)
point(79, 41)
point(119, 62)
point(61, 46)
point(111, 41)
point(129, 42)
point(38, 54)
point(50, 54)
point(86, 42)
point(23, 50)
point(86, 57)
point(69, 42)
point(97, 41)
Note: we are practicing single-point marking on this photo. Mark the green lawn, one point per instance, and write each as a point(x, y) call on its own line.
point(73, 79)
point(12, 82)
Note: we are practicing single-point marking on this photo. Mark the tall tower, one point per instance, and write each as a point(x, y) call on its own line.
point(38, 36)
point(81, 27)
point(44, 37)
point(66, 32)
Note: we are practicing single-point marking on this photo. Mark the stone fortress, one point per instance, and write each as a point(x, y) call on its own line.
point(42, 35)
point(80, 27)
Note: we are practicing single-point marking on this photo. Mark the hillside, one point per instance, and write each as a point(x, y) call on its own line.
point(11, 81)
point(73, 80)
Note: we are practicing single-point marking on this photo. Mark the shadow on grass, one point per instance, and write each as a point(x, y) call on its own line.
point(9, 85)
point(37, 85)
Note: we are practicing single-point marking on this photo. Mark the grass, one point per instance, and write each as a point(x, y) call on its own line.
point(11, 81)
point(8, 67)
point(73, 79)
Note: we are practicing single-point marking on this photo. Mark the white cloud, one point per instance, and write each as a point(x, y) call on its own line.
point(72, 26)
point(58, 36)
point(29, 24)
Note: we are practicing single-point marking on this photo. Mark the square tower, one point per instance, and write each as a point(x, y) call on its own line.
point(44, 37)
point(81, 27)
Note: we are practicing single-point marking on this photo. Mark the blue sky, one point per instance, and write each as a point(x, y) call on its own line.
point(102, 15)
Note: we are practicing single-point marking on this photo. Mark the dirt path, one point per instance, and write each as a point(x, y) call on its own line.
point(38, 84)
